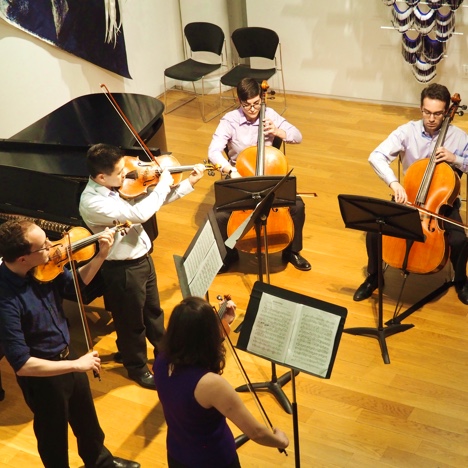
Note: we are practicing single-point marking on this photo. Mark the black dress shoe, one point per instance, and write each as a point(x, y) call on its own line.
point(367, 288)
point(145, 379)
point(296, 260)
point(122, 463)
point(463, 293)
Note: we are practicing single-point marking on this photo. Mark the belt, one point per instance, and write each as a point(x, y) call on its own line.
point(134, 261)
point(63, 354)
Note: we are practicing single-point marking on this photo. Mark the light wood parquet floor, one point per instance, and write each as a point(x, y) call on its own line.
point(412, 412)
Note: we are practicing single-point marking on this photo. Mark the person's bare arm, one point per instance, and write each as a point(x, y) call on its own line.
point(214, 391)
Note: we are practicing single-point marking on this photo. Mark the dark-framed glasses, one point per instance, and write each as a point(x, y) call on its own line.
point(253, 105)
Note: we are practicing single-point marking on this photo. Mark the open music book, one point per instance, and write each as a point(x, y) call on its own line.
point(202, 259)
point(291, 329)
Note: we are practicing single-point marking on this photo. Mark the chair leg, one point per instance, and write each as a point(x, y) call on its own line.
point(166, 91)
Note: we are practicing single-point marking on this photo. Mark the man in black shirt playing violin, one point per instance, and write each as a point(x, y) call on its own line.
point(412, 142)
point(35, 338)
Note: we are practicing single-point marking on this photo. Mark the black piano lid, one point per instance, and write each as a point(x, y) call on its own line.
point(91, 119)
point(57, 143)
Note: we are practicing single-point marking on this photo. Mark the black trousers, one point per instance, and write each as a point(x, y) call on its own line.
point(297, 214)
point(56, 402)
point(131, 295)
point(456, 239)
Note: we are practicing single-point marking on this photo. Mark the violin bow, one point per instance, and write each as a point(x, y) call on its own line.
point(128, 124)
point(84, 319)
point(250, 386)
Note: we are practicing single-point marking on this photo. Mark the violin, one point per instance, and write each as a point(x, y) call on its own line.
point(225, 325)
point(140, 175)
point(78, 242)
point(258, 161)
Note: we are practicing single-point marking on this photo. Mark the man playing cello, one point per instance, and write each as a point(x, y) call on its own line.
point(412, 142)
point(237, 131)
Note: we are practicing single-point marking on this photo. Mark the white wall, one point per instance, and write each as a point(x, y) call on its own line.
point(333, 48)
point(37, 78)
point(337, 48)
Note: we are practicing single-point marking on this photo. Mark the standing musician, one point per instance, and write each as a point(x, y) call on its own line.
point(196, 400)
point(413, 141)
point(130, 291)
point(237, 131)
point(35, 338)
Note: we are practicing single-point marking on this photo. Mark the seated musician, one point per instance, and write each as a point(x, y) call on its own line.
point(237, 131)
point(414, 141)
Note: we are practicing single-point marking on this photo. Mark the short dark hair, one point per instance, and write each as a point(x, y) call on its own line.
point(193, 336)
point(436, 91)
point(13, 243)
point(248, 88)
point(102, 158)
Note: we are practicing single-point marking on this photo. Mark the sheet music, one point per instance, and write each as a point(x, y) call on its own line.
point(203, 262)
point(312, 340)
point(294, 334)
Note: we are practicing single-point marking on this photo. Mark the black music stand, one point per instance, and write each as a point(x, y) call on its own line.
point(248, 193)
point(386, 218)
point(247, 196)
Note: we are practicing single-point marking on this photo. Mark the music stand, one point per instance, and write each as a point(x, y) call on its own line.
point(259, 194)
point(386, 218)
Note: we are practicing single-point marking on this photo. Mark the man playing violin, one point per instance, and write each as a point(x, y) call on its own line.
point(237, 131)
point(414, 141)
point(130, 292)
point(35, 338)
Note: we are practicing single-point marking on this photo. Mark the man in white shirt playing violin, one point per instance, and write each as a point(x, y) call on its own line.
point(412, 142)
point(131, 292)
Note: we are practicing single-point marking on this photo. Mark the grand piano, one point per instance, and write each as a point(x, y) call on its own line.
point(43, 167)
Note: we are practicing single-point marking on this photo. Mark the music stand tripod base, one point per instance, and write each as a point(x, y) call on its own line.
point(380, 334)
point(274, 387)
point(385, 218)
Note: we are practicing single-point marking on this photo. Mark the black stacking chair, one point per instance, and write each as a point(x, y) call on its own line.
point(206, 54)
point(251, 43)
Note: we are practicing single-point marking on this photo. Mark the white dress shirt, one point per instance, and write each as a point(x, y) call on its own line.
point(101, 207)
point(414, 143)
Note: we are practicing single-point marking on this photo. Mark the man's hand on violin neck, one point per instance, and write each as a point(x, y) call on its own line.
point(197, 173)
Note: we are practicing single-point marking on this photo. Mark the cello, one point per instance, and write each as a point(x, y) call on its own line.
point(263, 160)
point(429, 186)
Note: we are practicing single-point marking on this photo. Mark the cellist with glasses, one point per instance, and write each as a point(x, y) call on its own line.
point(237, 131)
point(412, 142)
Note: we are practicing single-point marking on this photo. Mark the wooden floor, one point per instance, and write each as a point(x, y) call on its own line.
point(412, 412)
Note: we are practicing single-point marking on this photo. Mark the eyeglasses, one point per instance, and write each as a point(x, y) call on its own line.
point(47, 241)
point(253, 105)
point(435, 114)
